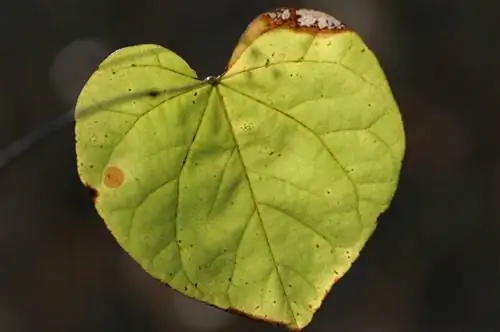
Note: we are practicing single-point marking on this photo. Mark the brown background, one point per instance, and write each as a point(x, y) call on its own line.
point(433, 263)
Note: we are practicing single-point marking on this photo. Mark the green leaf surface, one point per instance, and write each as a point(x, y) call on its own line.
point(254, 191)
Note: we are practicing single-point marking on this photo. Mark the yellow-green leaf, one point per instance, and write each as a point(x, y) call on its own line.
point(254, 190)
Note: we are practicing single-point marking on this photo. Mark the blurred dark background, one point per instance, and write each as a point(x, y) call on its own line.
point(433, 263)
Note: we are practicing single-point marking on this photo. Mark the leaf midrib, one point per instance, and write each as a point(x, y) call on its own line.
point(252, 194)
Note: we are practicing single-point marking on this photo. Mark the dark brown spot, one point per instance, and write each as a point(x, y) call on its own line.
point(153, 93)
point(94, 194)
point(113, 177)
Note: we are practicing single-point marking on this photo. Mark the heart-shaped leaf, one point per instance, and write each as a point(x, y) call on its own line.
point(254, 190)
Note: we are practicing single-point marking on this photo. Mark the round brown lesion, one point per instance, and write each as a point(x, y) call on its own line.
point(113, 177)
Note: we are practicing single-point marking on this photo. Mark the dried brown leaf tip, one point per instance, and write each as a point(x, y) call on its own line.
point(307, 19)
point(310, 21)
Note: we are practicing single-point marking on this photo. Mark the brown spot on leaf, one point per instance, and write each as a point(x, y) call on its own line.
point(113, 177)
point(300, 20)
point(94, 194)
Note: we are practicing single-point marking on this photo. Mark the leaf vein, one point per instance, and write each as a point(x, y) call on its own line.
point(271, 253)
point(321, 141)
point(306, 225)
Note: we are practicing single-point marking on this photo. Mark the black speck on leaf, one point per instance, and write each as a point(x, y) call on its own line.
point(153, 93)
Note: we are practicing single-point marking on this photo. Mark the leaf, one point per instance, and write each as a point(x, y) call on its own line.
point(256, 190)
